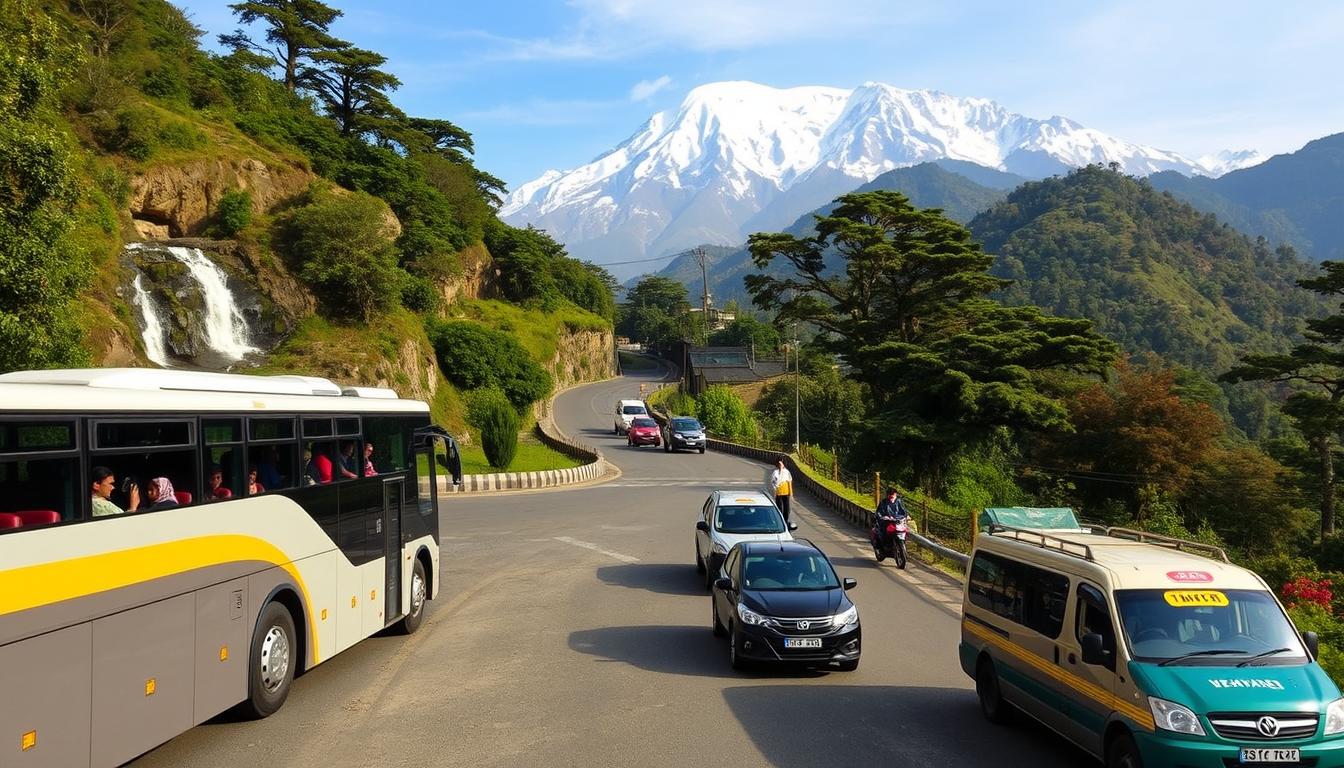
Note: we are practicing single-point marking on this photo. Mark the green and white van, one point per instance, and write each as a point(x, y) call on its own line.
point(1144, 650)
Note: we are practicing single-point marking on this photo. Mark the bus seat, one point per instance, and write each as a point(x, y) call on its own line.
point(220, 494)
point(183, 497)
point(10, 520)
point(38, 516)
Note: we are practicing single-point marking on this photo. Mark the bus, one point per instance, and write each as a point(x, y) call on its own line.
point(280, 520)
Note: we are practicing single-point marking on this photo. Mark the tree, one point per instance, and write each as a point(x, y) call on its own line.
point(1316, 366)
point(341, 245)
point(724, 414)
point(831, 408)
point(946, 367)
point(473, 356)
point(748, 332)
point(652, 311)
point(352, 87)
point(296, 29)
point(490, 411)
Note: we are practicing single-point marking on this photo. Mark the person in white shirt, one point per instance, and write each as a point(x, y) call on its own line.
point(781, 481)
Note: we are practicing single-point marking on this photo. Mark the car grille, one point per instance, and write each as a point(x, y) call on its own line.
point(1245, 726)
point(817, 626)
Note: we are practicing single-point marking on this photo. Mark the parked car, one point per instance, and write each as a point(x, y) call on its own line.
point(626, 412)
point(783, 602)
point(683, 432)
point(643, 431)
point(729, 517)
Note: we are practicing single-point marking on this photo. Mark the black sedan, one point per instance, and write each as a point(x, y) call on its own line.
point(782, 602)
point(683, 432)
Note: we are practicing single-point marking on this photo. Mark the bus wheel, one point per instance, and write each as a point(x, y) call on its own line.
point(272, 663)
point(992, 705)
point(419, 592)
point(1124, 753)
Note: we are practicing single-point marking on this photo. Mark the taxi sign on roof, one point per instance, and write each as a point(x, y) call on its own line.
point(1037, 518)
point(744, 501)
point(1195, 598)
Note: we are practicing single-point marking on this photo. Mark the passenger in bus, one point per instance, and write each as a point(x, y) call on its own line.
point(369, 471)
point(161, 493)
point(104, 482)
point(309, 471)
point(268, 469)
point(253, 487)
point(218, 491)
point(316, 465)
point(347, 459)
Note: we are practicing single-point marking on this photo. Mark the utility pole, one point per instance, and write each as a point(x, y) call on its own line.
point(702, 258)
point(797, 387)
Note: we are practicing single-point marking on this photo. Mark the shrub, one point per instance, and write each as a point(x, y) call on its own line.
point(491, 412)
point(418, 294)
point(234, 212)
point(723, 413)
point(180, 135)
point(132, 133)
point(342, 249)
point(1305, 589)
point(480, 403)
point(473, 356)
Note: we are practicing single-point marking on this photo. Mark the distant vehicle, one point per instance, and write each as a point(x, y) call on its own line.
point(643, 431)
point(683, 432)
point(1144, 650)
point(729, 517)
point(782, 602)
point(626, 412)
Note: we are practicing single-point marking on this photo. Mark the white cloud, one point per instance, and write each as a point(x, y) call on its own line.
point(541, 112)
point(645, 89)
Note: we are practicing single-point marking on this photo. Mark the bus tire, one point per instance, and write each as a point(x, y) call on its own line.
point(419, 594)
point(271, 665)
point(992, 705)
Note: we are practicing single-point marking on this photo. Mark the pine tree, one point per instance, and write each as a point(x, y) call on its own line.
point(296, 28)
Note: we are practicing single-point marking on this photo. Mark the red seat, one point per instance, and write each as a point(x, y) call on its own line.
point(183, 497)
point(38, 516)
point(10, 520)
point(222, 493)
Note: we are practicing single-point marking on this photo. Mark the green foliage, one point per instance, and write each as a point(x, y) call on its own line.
point(655, 312)
point(419, 294)
point(724, 414)
point(234, 212)
point(340, 245)
point(982, 478)
point(748, 332)
point(830, 409)
point(139, 132)
point(498, 422)
point(1310, 617)
point(473, 356)
point(481, 403)
point(535, 269)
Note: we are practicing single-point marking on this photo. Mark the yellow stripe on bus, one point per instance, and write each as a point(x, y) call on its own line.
point(1085, 687)
point(34, 586)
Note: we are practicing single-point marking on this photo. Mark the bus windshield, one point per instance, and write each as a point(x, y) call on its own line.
point(1208, 627)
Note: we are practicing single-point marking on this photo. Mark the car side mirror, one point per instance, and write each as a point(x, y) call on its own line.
point(793, 526)
point(1094, 650)
point(1310, 640)
point(701, 525)
point(725, 583)
point(849, 583)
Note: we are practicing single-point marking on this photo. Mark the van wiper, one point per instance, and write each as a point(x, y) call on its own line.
point(1247, 662)
point(1212, 652)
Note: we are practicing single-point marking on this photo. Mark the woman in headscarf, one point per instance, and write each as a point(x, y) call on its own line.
point(161, 495)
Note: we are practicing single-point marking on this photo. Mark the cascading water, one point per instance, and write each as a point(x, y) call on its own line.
point(222, 327)
point(154, 332)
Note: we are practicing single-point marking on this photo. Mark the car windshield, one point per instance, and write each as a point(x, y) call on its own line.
point(631, 410)
point(645, 422)
point(788, 570)
point(1213, 627)
point(756, 518)
point(686, 425)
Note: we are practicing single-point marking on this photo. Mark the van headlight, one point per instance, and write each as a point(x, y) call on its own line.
point(1334, 717)
point(1170, 716)
point(718, 548)
point(841, 620)
point(751, 617)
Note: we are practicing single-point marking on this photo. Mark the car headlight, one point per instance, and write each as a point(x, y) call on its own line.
point(850, 616)
point(751, 617)
point(718, 548)
point(1334, 717)
point(1170, 716)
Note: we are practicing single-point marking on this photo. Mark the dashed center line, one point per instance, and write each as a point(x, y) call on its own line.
point(596, 548)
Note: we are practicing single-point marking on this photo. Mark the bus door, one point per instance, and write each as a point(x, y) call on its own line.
point(394, 505)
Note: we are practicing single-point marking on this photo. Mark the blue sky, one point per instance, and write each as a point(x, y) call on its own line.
point(553, 84)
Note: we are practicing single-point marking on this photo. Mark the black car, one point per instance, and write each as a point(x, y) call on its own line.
point(683, 432)
point(782, 602)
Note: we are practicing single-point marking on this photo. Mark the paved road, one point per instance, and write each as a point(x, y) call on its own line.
point(574, 632)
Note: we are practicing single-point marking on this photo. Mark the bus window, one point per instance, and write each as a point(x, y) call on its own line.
point(275, 465)
point(223, 466)
point(39, 489)
point(137, 452)
point(391, 443)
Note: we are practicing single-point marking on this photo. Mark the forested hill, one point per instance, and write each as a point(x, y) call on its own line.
point(1151, 272)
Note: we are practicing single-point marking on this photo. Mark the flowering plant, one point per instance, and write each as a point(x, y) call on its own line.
point(1305, 589)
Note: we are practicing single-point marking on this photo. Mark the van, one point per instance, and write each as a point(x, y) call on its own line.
point(626, 412)
point(1144, 650)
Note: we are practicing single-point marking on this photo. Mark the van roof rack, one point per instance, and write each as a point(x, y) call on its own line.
point(1045, 541)
point(1157, 539)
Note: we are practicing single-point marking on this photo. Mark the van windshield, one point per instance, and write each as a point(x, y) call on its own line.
point(632, 410)
point(1208, 627)
point(753, 519)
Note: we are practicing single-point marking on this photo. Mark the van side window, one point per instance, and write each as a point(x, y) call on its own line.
point(1093, 616)
point(1021, 593)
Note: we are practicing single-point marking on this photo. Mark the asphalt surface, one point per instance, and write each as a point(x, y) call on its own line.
point(573, 630)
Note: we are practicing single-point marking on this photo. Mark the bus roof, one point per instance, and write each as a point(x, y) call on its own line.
point(152, 389)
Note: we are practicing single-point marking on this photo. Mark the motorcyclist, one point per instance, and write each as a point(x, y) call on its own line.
point(889, 508)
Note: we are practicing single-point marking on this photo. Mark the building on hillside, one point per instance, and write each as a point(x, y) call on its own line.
point(737, 367)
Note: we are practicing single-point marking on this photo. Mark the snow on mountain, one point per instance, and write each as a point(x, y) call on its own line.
point(738, 157)
point(1228, 161)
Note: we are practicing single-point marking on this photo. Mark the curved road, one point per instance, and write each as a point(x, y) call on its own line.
point(573, 630)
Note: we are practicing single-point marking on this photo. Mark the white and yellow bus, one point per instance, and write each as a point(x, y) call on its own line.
point(293, 518)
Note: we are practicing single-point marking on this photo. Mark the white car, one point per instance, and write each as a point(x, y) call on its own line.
point(730, 517)
point(626, 412)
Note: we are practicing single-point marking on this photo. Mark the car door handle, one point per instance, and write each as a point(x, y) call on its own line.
point(1072, 659)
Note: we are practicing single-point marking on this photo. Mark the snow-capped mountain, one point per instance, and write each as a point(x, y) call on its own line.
point(739, 157)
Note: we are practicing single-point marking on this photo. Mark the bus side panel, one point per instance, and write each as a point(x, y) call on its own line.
point(221, 648)
point(349, 604)
point(44, 692)
point(375, 579)
point(142, 678)
point(319, 577)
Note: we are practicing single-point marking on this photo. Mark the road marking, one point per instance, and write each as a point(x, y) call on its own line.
point(596, 548)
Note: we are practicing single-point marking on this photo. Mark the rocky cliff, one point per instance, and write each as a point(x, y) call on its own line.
point(584, 356)
point(177, 200)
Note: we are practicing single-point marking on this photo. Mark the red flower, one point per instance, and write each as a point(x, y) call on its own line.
point(1307, 590)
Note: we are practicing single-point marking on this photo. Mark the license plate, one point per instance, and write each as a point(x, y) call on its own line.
point(802, 642)
point(1263, 755)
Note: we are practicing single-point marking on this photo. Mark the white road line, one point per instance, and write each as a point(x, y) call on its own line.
point(596, 548)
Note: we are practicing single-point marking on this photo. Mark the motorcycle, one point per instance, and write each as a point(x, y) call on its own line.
point(889, 539)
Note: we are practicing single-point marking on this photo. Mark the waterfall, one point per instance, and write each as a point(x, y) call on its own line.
point(154, 333)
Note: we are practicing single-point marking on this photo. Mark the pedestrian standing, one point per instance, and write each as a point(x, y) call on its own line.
point(781, 480)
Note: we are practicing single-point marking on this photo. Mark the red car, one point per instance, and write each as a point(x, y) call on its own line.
point(643, 431)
